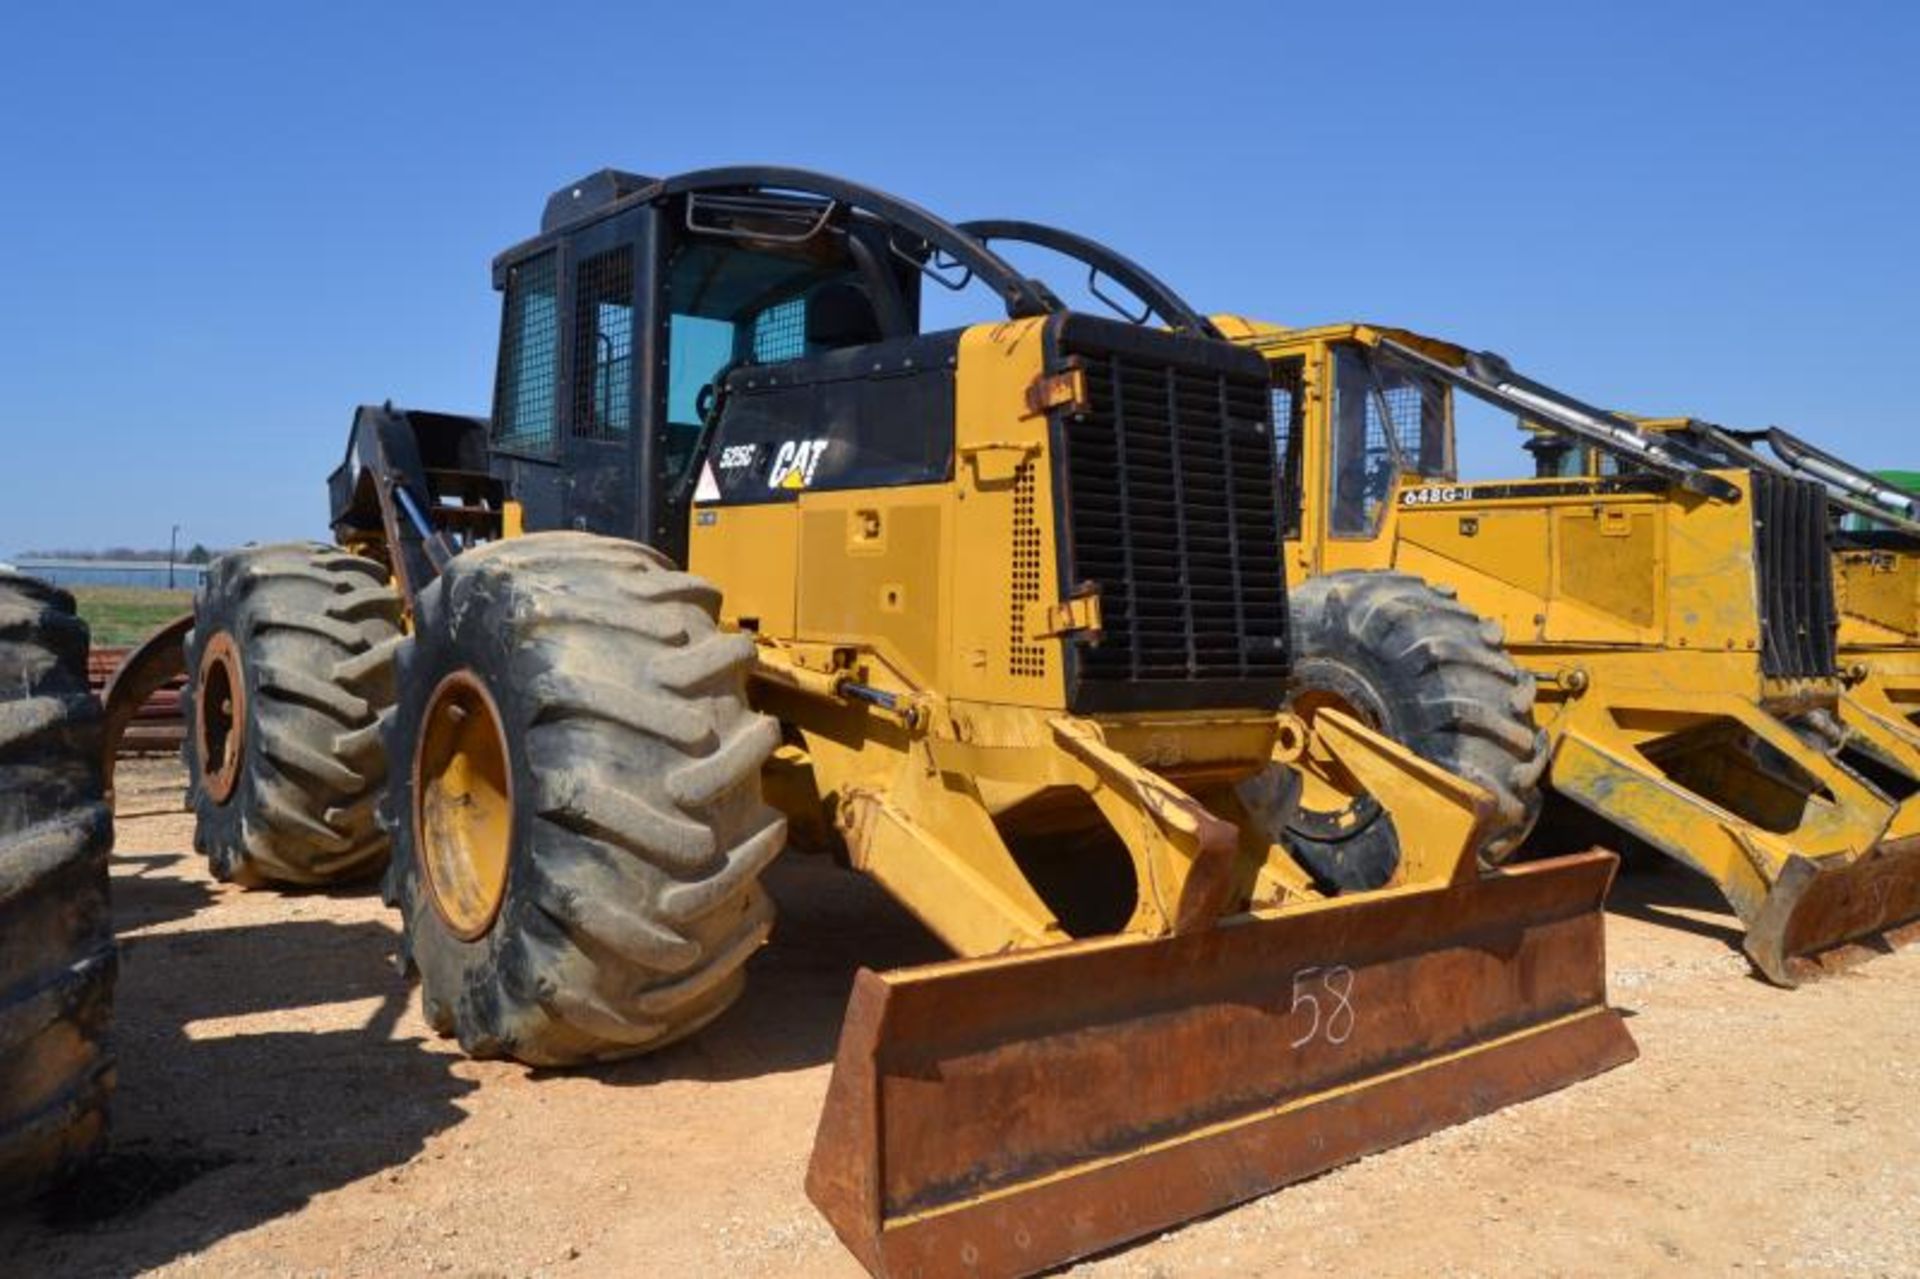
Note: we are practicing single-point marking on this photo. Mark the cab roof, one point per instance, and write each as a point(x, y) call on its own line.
point(1266, 336)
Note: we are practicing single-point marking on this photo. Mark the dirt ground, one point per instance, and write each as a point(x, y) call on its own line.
point(283, 1110)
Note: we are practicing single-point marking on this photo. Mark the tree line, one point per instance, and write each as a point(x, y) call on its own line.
point(196, 554)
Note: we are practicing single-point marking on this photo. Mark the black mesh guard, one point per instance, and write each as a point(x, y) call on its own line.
point(1170, 509)
point(1795, 570)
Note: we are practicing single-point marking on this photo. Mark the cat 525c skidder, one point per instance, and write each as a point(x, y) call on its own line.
point(1678, 621)
point(994, 613)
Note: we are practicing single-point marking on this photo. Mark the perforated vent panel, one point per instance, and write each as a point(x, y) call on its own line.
point(1024, 658)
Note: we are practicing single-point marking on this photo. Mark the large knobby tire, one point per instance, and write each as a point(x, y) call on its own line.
point(57, 956)
point(1414, 663)
point(289, 677)
point(579, 880)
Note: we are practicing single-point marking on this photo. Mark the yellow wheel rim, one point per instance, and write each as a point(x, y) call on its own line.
point(463, 805)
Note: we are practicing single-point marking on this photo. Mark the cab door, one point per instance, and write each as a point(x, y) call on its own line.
point(600, 382)
point(1386, 432)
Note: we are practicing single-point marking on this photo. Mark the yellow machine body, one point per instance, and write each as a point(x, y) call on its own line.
point(1638, 608)
point(1878, 592)
point(912, 643)
point(1877, 597)
point(957, 757)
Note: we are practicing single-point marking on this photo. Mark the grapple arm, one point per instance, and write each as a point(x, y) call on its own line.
point(161, 657)
point(386, 489)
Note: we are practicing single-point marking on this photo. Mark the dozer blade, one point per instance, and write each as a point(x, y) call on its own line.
point(1000, 1116)
point(1821, 916)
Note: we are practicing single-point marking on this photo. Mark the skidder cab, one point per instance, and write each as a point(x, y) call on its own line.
point(1676, 616)
point(749, 555)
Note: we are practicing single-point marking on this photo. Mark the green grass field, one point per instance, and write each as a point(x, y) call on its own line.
point(122, 615)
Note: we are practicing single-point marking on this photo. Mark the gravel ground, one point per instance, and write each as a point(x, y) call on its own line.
point(283, 1110)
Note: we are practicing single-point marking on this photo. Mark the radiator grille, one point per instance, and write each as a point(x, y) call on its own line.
point(1174, 515)
point(1797, 619)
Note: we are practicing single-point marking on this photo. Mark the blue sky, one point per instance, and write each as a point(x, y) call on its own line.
point(229, 224)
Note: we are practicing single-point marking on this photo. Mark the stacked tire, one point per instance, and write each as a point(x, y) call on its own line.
point(57, 956)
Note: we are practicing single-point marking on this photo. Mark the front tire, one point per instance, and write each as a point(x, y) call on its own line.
point(579, 877)
point(57, 957)
point(289, 674)
point(1412, 662)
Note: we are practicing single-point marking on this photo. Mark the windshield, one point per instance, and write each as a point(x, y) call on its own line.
point(1494, 389)
point(1389, 421)
point(731, 304)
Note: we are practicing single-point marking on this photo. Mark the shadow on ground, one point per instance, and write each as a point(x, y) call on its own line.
point(226, 1118)
point(146, 895)
point(219, 1126)
point(831, 923)
point(1669, 895)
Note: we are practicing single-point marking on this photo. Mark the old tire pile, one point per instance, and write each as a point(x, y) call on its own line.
point(289, 675)
point(57, 958)
point(1410, 660)
point(577, 823)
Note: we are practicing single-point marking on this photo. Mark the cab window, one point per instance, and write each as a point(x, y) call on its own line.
point(1388, 423)
point(730, 305)
point(524, 385)
point(603, 346)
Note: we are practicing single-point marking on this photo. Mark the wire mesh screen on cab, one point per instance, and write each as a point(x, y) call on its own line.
point(780, 332)
point(1288, 379)
point(524, 409)
point(603, 346)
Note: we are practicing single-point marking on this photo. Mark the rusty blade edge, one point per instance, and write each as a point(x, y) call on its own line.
point(1541, 926)
point(1813, 924)
point(1262, 1116)
point(1086, 1210)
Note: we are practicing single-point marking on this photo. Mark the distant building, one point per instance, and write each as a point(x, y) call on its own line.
point(146, 573)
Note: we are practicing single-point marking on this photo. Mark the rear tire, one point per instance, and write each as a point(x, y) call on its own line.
point(630, 898)
point(1415, 664)
point(289, 674)
point(57, 958)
